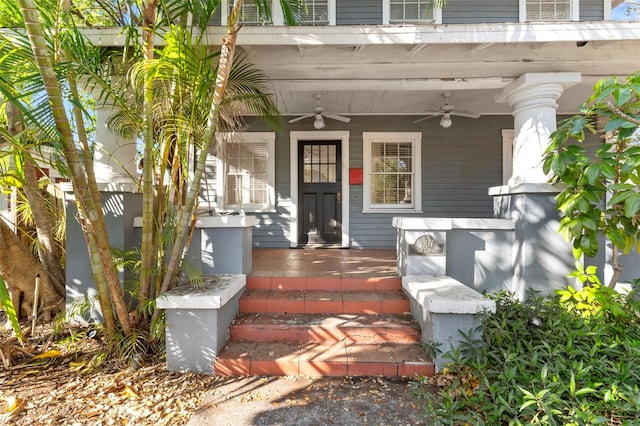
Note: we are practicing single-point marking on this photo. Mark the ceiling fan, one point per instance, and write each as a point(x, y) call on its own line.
point(446, 111)
point(320, 115)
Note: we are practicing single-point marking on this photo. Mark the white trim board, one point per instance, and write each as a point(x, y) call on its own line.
point(294, 139)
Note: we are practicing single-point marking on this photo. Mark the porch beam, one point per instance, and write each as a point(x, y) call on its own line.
point(439, 84)
point(410, 36)
point(481, 47)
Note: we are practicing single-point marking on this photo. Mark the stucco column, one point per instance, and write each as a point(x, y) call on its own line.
point(540, 257)
point(533, 97)
point(114, 156)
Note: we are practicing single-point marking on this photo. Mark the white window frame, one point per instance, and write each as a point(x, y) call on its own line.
point(415, 138)
point(277, 16)
point(268, 138)
point(508, 136)
point(574, 12)
point(386, 14)
point(224, 14)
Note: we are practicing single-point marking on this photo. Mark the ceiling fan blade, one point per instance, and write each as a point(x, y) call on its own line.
point(337, 117)
point(302, 117)
point(427, 117)
point(467, 114)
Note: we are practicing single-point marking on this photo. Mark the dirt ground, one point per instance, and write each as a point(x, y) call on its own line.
point(47, 382)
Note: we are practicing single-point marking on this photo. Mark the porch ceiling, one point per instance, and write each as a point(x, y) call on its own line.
point(409, 80)
point(379, 70)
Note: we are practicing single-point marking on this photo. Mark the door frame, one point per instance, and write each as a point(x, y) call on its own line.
point(294, 142)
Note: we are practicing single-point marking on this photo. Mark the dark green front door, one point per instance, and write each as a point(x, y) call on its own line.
point(320, 198)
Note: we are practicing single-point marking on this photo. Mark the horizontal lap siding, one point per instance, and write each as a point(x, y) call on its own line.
point(477, 12)
point(358, 12)
point(591, 10)
point(458, 167)
point(272, 229)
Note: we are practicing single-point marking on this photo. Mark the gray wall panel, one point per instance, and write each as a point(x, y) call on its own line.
point(474, 12)
point(358, 12)
point(591, 10)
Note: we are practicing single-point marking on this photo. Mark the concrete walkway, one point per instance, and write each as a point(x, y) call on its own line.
point(298, 401)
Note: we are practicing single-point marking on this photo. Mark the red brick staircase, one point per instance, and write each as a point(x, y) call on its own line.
point(323, 326)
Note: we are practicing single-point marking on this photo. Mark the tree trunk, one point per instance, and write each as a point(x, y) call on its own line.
point(100, 253)
point(19, 268)
point(48, 250)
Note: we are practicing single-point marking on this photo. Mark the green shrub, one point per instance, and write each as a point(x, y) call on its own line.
point(570, 359)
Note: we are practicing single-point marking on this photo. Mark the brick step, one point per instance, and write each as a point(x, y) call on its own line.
point(324, 328)
point(277, 281)
point(320, 302)
point(241, 358)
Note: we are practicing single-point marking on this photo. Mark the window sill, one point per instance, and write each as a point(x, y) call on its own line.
point(394, 211)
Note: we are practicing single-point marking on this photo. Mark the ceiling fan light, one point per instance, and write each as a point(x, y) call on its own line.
point(318, 122)
point(446, 120)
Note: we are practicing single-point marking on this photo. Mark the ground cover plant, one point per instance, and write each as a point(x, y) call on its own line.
point(569, 359)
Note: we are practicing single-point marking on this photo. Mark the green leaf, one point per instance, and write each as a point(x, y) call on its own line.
point(620, 197)
point(528, 403)
point(9, 309)
point(617, 237)
point(615, 124)
point(591, 173)
point(585, 391)
point(622, 95)
point(632, 204)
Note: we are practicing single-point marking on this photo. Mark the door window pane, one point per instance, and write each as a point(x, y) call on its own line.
point(320, 163)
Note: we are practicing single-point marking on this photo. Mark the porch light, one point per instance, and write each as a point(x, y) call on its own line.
point(446, 120)
point(319, 122)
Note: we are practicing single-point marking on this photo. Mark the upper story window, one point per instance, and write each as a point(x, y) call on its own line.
point(316, 12)
point(391, 172)
point(549, 10)
point(246, 172)
point(410, 12)
point(248, 13)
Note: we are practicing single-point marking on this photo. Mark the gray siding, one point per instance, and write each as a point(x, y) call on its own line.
point(474, 12)
point(272, 229)
point(358, 12)
point(458, 166)
point(591, 10)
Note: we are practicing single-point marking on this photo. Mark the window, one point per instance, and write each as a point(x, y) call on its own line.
point(316, 12)
point(391, 172)
point(549, 10)
point(246, 172)
point(249, 13)
point(410, 12)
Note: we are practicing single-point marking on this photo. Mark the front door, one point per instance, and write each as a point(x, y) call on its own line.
point(320, 197)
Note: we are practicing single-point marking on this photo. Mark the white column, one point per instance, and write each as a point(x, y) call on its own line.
point(533, 97)
point(114, 156)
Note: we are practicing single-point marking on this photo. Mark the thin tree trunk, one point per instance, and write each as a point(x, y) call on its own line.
point(48, 251)
point(147, 248)
point(186, 214)
point(616, 266)
point(101, 259)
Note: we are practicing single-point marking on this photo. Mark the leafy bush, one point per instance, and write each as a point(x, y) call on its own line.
point(570, 359)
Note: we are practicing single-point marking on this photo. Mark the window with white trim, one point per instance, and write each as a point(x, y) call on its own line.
point(246, 172)
point(409, 12)
point(549, 10)
point(391, 171)
point(249, 13)
point(315, 12)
